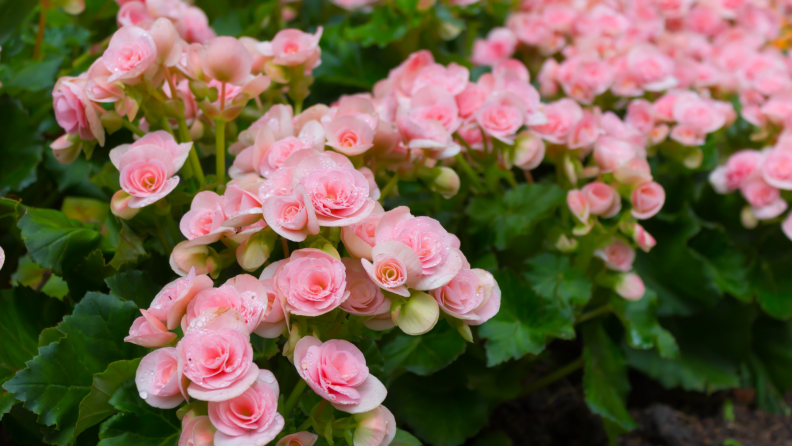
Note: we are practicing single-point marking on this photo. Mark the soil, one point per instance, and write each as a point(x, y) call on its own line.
point(557, 415)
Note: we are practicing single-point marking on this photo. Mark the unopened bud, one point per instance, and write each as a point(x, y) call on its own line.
point(111, 121)
point(418, 314)
point(442, 180)
point(566, 244)
point(186, 256)
point(119, 205)
point(529, 151)
point(254, 251)
point(277, 73)
point(66, 148)
point(748, 219)
point(570, 169)
point(199, 89)
point(448, 31)
point(630, 286)
point(197, 130)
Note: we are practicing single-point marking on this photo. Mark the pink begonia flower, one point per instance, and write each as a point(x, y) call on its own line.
point(585, 132)
point(268, 154)
point(501, 116)
point(435, 103)
point(618, 256)
point(470, 99)
point(585, 76)
point(647, 199)
point(291, 216)
point(272, 326)
point(578, 205)
point(243, 207)
point(664, 106)
point(437, 250)
point(279, 184)
point(203, 223)
point(336, 370)
point(170, 304)
point(225, 59)
point(530, 29)
point(310, 283)
point(513, 65)
point(529, 151)
point(132, 13)
point(157, 378)
point(376, 427)
point(786, 226)
point(98, 89)
point(219, 363)
point(395, 267)
point(452, 78)
point(630, 286)
point(603, 199)
point(147, 331)
point(429, 135)
point(650, 68)
point(640, 115)
point(189, 255)
point(498, 46)
point(472, 295)
point(119, 205)
point(658, 134)
point(298, 439)
point(292, 47)
point(777, 169)
point(338, 193)
point(359, 238)
point(147, 167)
point(610, 153)
point(765, 199)
point(404, 75)
point(196, 430)
point(193, 25)
point(547, 78)
point(74, 112)
point(695, 112)
point(643, 239)
point(166, 39)
point(562, 116)
point(365, 297)
point(634, 172)
point(243, 293)
point(129, 54)
point(349, 135)
point(251, 418)
point(374, 190)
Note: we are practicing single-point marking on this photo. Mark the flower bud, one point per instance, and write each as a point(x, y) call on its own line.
point(442, 180)
point(566, 244)
point(418, 315)
point(226, 60)
point(570, 169)
point(376, 427)
point(277, 73)
point(630, 286)
point(119, 206)
point(448, 31)
point(694, 159)
point(529, 151)
point(254, 251)
point(186, 256)
point(66, 148)
point(748, 219)
point(165, 39)
point(643, 239)
point(111, 121)
point(197, 130)
point(199, 89)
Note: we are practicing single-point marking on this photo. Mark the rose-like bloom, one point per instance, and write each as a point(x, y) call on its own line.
point(193, 25)
point(203, 223)
point(349, 135)
point(157, 378)
point(395, 267)
point(243, 207)
point(298, 439)
point(336, 370)
point(786, 226)
point(547, 77)
point(365, 297)
point(98, 88)
point(219, 363)
point(529, 151)
point(311, 283)
point(244, 294)
point(650, 68)
point(562, 116)
point(602, 199)
point(132, 13)
point(640, 115)
point(470, 99)
point(359, 238)
point(695, 112)
point(610, 153)
point(189, 255)
point(498, 46)
point(279, 184)
point(579, 205)
point(251, 418)
point(74, 112)
point(225, 59)
point(376, 427)
point(291, 216)
point(129, 54)
point(618, 256)
point(268, 154)
point(633, 172)
point(585, 132)
point(196, 430)
point(272, 326)
point(777, 169)
point(630, 286)
point(292, 47)
point(765, 199)
point(437, 250)
point(501, 116)
point(585, 76)
point(472, 295)
point(452, 78)
point(170, 304)
point(740, 167)
point(647, 200)
point(147, 172)
point(147, 331)
point(338, 192)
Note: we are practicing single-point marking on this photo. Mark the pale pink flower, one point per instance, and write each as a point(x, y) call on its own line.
point(129, 54)
point(498, 46)
point(349, 135)
point(298, 439)
point(529, 151)
point(640, 115)
point(647, 199)
point(610, 153)
point(777, 169)
point(634, 172)
point(292, 47)
point(132, 13)
point(226, 60)
point(272, 326)
point(243, 207)
point(359, 238)
point(203, 223)
point(196, 430)
point(470, 99)
point(501, 116)
point(472, 295)
point(585, 132)
point(243, 294)
point(693, 111)
point(786, 226)
point(642, 238)
point(584, 77)
point(74, 112)
point(530, 29)
point(578, 205)
point(146, 172)
point(251, 418)
point(291, 216)
point(365, 297)
point(603, 199)
point(147, 331)
point(336, 370)
point(193, 25)
point(765, 199)
point(618, 256)
point(157, 379)
point(630, 286)
point(311, 283)
point(562, 116)
point(170, 304)
point(452, 78)
point(376, 427)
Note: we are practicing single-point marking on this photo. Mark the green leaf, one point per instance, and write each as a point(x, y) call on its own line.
point(553, 277)
point(54, 241)
point(773, 286)
point(96, 406)
point(425, 354)
point(438, 409)
point(516, 211)
point(37, 76)
point(640, 322)
point(130, 248)
point(771, 360)
point(29, 274)
point(133, 285)
point(56, 381)
point(404, 438)
point(17, 146)
point(688, 372)
point(138, 424)
point(605, 376)
point(525, 323)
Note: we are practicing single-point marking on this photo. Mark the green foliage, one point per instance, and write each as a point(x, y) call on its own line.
point(553, 278)
point(426, 354)
point(138, 424)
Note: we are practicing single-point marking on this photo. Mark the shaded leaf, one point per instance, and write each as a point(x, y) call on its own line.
point(425, 354)
point(553, 277)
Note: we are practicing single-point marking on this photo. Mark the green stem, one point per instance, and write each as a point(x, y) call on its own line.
point(291, 402)
point(37, 53)
point(132, 127)
point(166, 125)
point(605, 309)
point(194, 160)
point(298, 105)
point(220, 150)
point(469, 172)
point(553, 377)
point(389, 186)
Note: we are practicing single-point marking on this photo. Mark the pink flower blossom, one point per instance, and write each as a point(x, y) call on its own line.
point(157, 379)
point(618, 256)
point(310, 283)
point(472, 296)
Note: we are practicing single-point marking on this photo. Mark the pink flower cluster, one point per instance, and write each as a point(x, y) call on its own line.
point(189, 20)
point(213, 361)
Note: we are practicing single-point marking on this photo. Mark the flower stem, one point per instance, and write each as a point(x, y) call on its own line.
point(291, 402)
point(37, 53)
point(298, 105)
point(220, 150)
point(132, 127)
point(389, 186)
point(553, 377)
point(194, 160)
point(285, 245)
point(469, 172)
point(597, 312)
